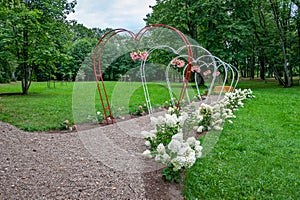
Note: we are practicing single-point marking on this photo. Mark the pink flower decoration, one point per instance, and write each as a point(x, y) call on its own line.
point(196, 69)
point(207, 72)
point(139, 55)
point(216, 73)
point(144, 55)
point(177, 62)
point(133, 56)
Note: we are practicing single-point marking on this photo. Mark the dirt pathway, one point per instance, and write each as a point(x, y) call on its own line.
point(100, 163)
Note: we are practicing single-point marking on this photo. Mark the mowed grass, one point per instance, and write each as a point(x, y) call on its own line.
point(46, 108)
point(256, 157)
point(43, 109)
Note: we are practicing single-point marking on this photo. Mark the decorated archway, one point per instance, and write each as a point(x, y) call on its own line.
point(99, 64)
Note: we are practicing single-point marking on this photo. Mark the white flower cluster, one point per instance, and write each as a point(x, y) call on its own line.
point(167, 143)
point(179, 152)
point(209, 117)
point(213, 116)
point(234, 99)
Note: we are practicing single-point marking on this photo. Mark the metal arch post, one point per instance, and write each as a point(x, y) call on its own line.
point(98, 73)
point(238, 75)
point(144, 82)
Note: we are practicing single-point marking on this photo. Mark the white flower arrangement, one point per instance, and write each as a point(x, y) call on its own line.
point(167, 143)
point(213, 116)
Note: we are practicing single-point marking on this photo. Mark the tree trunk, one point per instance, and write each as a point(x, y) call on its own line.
point(262, 67)
point(298, 31)
point(282, 36)
point(26, 70)
point(252, 67)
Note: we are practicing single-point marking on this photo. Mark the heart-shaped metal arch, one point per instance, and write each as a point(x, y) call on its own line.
point(137, 37)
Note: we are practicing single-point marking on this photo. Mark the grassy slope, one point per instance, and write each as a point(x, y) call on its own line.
point(256, 157)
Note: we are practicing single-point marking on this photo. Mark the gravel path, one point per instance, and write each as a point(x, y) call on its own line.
point(99, 163)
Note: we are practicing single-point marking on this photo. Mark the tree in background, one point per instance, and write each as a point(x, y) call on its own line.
point(261, 38)
point(35, 35)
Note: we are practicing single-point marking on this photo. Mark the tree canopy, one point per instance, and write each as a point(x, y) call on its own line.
point(261, 38)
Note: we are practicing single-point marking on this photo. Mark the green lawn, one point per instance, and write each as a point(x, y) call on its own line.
point(256, 157)
point(46, 108)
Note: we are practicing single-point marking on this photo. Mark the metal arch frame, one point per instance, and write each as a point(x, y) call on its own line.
point(168, 80)
point(238, 75)
point(137, 37)
point(214, 64)
point(209, 54)
point(143, 76)
point(98, 71)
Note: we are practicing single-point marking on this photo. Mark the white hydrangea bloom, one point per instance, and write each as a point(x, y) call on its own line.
point(198, 151)
point(183, 151)
point(165, 158)
point(147, 134)
point(171, 110)
point(216, 115)
point(158, 158)
point(218, 128)
point(157, 120)
point(199, 117)
point(147, 143)
point(218, 122)
point(185, 144)
point(178, 162)
point(147, 154)
point(174, 146)
point(182, 118)
point(161, 149)
point(191, 141)
point(171, 120)
point(200, 129)
point(224, 115)
point(178, 136)
point(190, 159)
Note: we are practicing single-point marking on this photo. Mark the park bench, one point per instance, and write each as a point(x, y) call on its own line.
point(218, 89)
